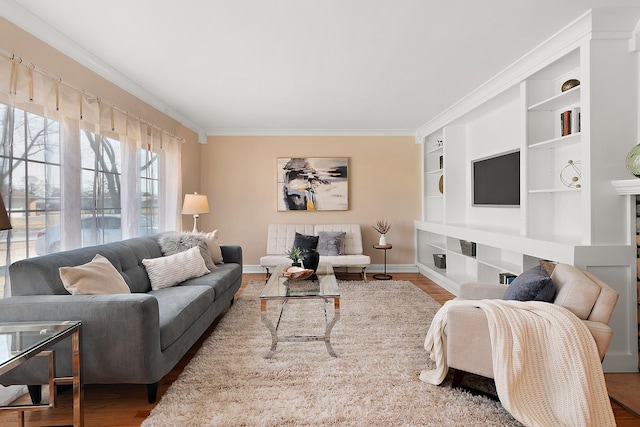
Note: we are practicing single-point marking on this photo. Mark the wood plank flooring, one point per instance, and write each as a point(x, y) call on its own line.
point(127, 406)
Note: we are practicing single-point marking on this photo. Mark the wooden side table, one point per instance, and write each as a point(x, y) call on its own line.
point(383, 276)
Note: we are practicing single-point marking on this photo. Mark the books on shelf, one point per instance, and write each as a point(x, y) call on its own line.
point(570, 121)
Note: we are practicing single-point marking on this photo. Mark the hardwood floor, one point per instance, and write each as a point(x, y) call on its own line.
point(127, 406)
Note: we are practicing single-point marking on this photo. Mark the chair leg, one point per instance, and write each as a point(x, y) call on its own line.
point(152, 392)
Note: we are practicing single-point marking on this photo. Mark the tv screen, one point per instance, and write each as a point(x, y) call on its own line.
point(496, 180)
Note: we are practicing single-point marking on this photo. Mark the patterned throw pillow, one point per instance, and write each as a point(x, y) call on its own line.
point(173, 243)
point(167, 271)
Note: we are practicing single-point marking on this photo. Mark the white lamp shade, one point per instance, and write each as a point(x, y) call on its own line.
point(195, 204)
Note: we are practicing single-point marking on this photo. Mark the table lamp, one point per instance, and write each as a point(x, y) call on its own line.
point(195, 204)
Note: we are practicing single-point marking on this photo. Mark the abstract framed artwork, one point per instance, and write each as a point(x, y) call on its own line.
point(313, 183)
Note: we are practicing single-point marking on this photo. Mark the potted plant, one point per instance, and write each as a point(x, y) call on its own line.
point(295, 255)
point(382, 226)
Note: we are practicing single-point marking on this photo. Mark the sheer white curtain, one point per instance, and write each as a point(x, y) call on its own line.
point(65, 113)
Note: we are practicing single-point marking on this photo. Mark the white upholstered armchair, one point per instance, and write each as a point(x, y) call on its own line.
point(468, 345)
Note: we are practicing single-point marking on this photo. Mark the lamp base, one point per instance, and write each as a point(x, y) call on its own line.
point(195, 223)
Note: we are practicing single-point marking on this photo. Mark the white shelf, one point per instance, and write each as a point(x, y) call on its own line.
point(555, 190)
point(560, 142)
point(520, 109)
point(499, 264)
point(435, 150)
point(563, 99)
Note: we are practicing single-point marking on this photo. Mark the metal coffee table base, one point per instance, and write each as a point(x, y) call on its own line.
point(298, 338)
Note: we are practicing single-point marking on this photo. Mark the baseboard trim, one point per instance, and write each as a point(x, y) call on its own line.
point(373, 268)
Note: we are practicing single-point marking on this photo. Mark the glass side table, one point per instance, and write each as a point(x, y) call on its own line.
point(383, 276)
point(25, 340)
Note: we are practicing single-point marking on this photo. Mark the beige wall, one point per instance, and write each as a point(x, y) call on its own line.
point(238, 173)
point(30, 49)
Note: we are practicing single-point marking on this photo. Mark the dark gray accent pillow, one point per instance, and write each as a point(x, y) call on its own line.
point(172, 243)
point(331, 243)
point(306, 243)
point(532, 285)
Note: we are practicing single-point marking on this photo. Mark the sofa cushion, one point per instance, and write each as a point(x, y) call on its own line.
point(179, 307)
point(306, 243)
point(532, 285)
point(576, 292)
point(170, 270)
point(220, 280)
point(173, 243)
point(331, 242)
point(97, 277)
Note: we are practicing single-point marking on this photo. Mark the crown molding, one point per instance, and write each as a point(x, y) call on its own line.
point(23, 18)
point(311, 132)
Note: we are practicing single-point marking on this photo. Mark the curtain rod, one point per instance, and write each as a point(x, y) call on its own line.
point(15, 57)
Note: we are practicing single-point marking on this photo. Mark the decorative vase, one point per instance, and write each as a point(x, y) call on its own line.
point(296, 264)
point(633, 161)
point(383, 240)
point(311, 259)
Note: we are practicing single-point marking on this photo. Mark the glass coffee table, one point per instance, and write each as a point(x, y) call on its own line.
point(322, 285)
point(24, 340)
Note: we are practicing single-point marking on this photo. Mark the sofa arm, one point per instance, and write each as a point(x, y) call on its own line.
point(120, 333)
point(482, 290)
point(602, 335)
point(232, 253)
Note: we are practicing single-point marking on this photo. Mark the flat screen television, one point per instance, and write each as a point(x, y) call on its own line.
point(496, 180)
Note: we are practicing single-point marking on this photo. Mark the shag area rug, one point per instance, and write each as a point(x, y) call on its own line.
point(373, 382)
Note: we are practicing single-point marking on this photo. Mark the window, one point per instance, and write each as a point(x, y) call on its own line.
point(101, 202)
point(149, 187)
point(29, 181)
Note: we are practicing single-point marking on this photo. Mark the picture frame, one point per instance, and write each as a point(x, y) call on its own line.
point(312, 183)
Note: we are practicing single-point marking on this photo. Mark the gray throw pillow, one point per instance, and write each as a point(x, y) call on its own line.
point(331, 243)
point(306, 243)
point(532, 285)
point(173, 243)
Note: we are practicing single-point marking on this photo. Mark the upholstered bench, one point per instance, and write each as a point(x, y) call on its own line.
point(280, 237)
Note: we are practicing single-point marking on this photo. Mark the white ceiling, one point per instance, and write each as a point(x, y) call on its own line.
point(298, 66)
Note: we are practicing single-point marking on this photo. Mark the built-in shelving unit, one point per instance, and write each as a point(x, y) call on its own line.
point(568, 212)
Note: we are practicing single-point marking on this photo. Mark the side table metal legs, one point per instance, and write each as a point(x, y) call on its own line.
point(383, 276)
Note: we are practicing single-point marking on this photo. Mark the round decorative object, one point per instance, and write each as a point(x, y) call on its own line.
point(633, 161)
point(441, 184)
point(570, 175)
point(383, 240)
point(570, 84)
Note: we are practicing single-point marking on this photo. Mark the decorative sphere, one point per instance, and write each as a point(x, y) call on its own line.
point(633, 161)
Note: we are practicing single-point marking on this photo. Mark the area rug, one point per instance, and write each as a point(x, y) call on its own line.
point(373, 381)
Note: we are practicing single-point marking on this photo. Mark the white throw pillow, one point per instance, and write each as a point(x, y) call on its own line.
point(97, 277)
point(167, 271)
point(214, 246)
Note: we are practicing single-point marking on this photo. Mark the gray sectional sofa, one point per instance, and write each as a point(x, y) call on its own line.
point(134, 338)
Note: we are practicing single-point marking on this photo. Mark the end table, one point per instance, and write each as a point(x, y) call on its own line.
point(383, 276)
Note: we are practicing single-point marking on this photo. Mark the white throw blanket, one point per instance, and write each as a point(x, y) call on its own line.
point(545, 362)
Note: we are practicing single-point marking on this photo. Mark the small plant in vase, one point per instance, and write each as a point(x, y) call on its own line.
point(295, 255)
point(382, 226)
